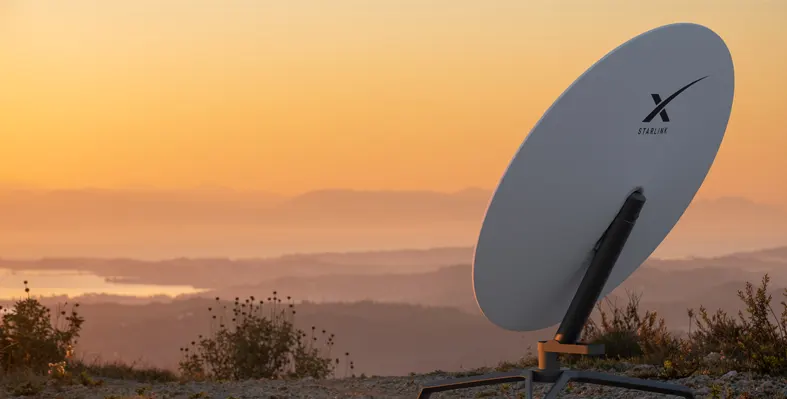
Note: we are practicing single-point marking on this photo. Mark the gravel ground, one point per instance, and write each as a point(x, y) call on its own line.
point(732, 385)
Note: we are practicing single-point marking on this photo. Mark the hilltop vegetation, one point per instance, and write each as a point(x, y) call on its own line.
point(252, 338)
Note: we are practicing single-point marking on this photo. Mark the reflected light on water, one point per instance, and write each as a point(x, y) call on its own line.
point(74, 283)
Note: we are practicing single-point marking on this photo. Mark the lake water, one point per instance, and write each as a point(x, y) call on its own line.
point(74, 283)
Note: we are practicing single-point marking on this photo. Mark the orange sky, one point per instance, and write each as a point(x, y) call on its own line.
point(292, 95)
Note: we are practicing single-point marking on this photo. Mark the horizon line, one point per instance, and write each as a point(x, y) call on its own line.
point(208, 187)
point(9, 186)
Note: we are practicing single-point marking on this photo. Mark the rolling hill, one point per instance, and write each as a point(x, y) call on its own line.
point(396, 323)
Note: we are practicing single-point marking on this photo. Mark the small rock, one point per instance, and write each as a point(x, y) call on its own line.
point(702, 391)
point(643, 371)
point(713, 357)
point(730, 374)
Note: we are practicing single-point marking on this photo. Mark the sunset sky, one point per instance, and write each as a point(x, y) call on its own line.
point(289, 96)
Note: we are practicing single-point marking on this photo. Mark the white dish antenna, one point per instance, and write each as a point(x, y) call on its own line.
point(596, 186)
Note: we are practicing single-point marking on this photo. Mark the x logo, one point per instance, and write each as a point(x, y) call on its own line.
point(660, 105)
point(662, 113)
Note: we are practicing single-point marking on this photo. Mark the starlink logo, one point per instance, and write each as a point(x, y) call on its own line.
point(661, 110)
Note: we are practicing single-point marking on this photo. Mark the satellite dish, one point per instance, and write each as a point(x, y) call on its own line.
point(650, 114)
point(569, 220)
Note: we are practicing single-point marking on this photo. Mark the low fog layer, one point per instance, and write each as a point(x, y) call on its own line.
point(226, 223)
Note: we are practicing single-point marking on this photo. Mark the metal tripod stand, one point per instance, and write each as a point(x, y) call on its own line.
point(605, 255)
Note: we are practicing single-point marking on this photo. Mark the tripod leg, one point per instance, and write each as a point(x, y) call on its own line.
point(621, 382)
point(529, 385)
point(475, 381)
point(561, 383)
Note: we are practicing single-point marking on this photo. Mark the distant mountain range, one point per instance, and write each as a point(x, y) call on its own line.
point(435, 277)
point(33, 209)
point(28, 209)
point(662, 281)
point(213, 222)
point(222, 272)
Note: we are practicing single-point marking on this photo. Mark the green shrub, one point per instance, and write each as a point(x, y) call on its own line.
point(620, 344)
point(258, 339)
point(754, 342)
point(626, 334)
point(32, 340)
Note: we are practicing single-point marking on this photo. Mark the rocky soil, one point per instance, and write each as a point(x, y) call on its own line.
point(731, 385)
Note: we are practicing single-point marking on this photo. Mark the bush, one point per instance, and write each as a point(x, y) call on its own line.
point(629, 335)
point(755, 342)
point(30, 340)
point(258, 340)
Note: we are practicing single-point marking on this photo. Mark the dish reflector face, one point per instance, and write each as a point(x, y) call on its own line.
point(652, 114)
